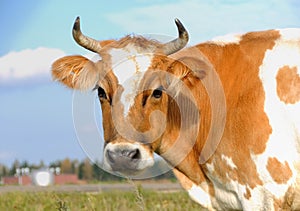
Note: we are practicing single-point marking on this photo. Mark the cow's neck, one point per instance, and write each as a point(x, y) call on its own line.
point(188, 147)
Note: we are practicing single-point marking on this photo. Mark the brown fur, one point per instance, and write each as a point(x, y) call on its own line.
point(247, 128)
point(144, 45)
point(76, 72)
point(288, 85)
point(280, 172)
point(170, 144)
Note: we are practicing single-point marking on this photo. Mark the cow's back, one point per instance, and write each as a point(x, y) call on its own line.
point(255, 164)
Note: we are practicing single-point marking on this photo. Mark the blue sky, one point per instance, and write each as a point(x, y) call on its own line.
point(36, 120)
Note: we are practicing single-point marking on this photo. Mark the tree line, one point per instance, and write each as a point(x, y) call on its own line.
point(84, 169)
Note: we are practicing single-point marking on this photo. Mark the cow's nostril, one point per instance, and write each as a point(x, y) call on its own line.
point(131, 154)
point(112, 156)
point(135, 154)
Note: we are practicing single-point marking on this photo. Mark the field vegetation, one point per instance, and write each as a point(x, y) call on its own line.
point(115, 200)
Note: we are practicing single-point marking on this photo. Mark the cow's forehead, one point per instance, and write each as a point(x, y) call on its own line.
point(129, 66)
point(127, 62)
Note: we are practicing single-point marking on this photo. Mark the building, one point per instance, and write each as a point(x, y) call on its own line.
point(41, 177)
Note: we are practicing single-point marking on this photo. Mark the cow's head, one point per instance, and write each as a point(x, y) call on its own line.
point(140, 90)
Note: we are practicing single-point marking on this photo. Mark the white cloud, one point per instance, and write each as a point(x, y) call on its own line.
point(206, 19)
point(27, 65)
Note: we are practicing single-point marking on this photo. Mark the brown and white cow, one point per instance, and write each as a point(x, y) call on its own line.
point(237, 98)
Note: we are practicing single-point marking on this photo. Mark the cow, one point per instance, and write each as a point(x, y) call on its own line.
point(224, 113)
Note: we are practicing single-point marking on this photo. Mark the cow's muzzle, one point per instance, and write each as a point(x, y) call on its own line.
point(127, 158)
point(123, 158)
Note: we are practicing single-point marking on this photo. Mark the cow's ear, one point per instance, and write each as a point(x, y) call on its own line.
point(76, 72)
point(186, 72)
point(187, 67)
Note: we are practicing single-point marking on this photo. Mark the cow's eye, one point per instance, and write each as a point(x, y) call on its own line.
point(157, 93)
point(101, 93)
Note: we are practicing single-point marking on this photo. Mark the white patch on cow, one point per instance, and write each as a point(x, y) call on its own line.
point(283, 142)
point(129, 66)
point(261, 199)
point(227, 39)
point(234, 196)
point(227, 199)
point(229, 161)
point(225, 196)
point(210, 167)
point(290, 34)
point(225, 193)
point(200, 196)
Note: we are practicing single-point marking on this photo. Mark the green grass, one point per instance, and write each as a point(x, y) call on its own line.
point(135, 200)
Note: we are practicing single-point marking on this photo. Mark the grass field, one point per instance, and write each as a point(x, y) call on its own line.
point(138, 199)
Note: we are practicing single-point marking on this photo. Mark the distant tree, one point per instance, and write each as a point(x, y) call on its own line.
point(97, 172)
point(75, 166)
point(66, 166)
point(87, 170)
point(101, 175)
point(42, 164)
point(24, 164)
point(3, 170)
point(15, 165)
point(55, 164)
point(80, 170)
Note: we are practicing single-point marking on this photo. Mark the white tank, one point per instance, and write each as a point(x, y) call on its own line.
point(42, 177)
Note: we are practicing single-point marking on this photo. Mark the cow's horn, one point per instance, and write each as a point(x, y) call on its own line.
point(84, 41)
point(178, 43)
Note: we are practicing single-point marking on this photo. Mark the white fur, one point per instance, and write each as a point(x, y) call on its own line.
point(290, 34)
point(129, 67)
point(283, 142)
point(227, 39)
point(229, 161)
point(200, 196)
point(232, 195)
point(226, 194)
